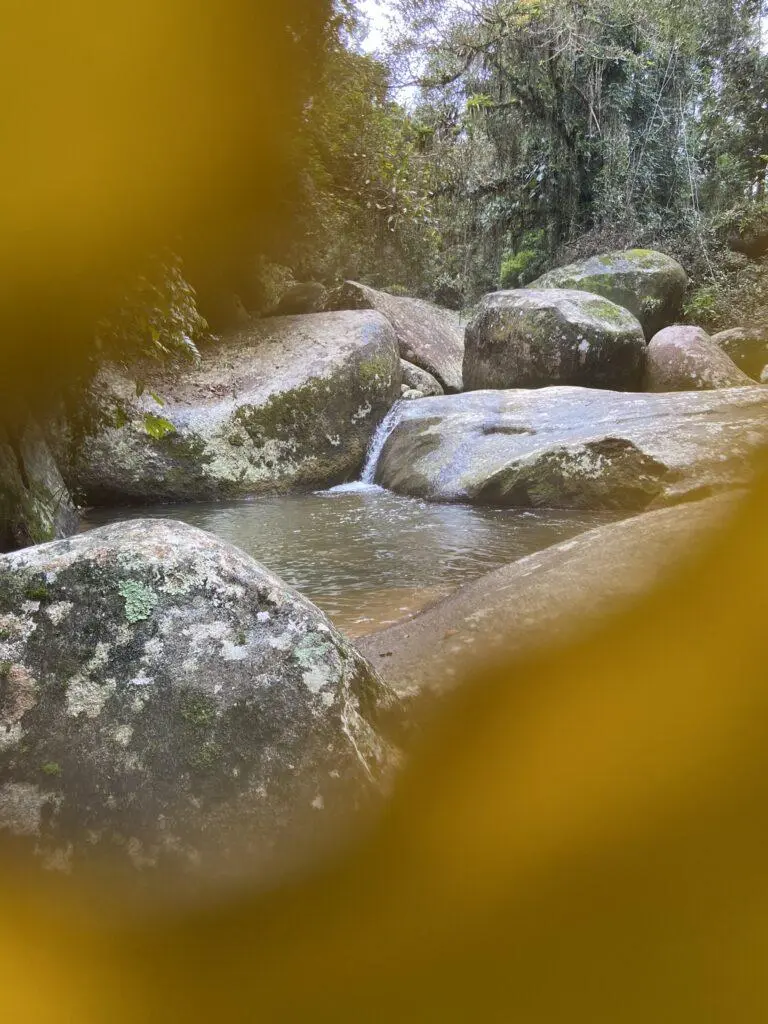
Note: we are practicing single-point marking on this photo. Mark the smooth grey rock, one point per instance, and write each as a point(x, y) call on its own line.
point(169, 703)
point(35, 505)
point(545, 598)
point(685, 359)
point(530, 339)
point(430, 337)
point(747, 347)
point(289, 403)
point(650, 284)
point(573, 447)
point(416, 379)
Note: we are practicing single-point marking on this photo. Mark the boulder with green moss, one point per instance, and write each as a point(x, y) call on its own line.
point(651, 285)
point(287, 403)
point(529, 339)
point(576, 448)
point(430, 337)
point(35, 505)
point(168, 704)
point(686, 359)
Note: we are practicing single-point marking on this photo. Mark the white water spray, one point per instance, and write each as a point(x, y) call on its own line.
point(378, 441)
point(375, 448)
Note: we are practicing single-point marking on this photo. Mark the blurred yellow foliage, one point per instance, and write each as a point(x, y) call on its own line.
point(583, 837)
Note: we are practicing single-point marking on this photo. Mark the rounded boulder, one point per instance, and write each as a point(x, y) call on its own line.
point(169, 706)
point(650, 284)
point(686, 359)
point(530, 339)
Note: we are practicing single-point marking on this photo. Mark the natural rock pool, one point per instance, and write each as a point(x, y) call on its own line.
point(365, 556)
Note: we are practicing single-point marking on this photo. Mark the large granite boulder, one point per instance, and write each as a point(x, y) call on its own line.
point(649, 284)
point(573, 447)
point(544, 598)
point(288, 403)
point(685, 359)
point(747, 347)
point(35, 505)
point(531, 339)
point(169, 704)
point(430, 337)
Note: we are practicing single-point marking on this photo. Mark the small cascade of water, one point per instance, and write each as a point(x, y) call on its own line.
point(378, 441)
point(375, 448)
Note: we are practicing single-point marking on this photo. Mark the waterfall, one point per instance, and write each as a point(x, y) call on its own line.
point(375, 448)
point(378, 441)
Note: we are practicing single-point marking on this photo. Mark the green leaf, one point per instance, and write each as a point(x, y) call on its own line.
point(157, 426)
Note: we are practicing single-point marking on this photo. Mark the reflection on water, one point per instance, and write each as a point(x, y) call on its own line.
point(367, 557)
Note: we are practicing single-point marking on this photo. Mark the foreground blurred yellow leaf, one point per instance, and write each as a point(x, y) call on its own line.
point(583, 837)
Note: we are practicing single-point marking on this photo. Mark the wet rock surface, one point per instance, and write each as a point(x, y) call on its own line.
point(531, 339)
point(548, 597)
point(167, 705)
point(573, 447)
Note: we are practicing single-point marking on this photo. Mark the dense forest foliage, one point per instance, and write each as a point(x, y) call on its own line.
point(491, 140)
point(530, 132)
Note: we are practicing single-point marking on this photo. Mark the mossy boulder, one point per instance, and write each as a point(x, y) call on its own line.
point(747, 347)
point(428, 336)
point(287, 403)
point(35, 505)
point(529, 339)
point(573, 447)
point(651, 285)
point(170, 707)
point(686, 359)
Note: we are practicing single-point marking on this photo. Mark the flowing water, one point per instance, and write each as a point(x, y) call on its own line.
point(366, 556)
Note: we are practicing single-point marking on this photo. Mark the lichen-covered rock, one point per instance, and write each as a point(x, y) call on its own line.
point(651, 285)
point(685, 359)
point(35, 505)
point(573, 447)
point(430, 337)
point(416, 379)
point(532, 339)
point(168, 703)
point(288, 403)
point(747, 347)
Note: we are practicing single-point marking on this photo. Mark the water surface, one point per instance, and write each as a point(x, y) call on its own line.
point(368, 557)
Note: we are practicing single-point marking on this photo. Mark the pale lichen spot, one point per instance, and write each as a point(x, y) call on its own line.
point(59, 611)
point(318, 803)
point(87, 696)
point(10, 736)
point(59, 859)
point(21, 806)
point(233, 652)
point(123, 735)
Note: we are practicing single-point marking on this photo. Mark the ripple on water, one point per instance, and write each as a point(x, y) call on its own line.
point(368, 557)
